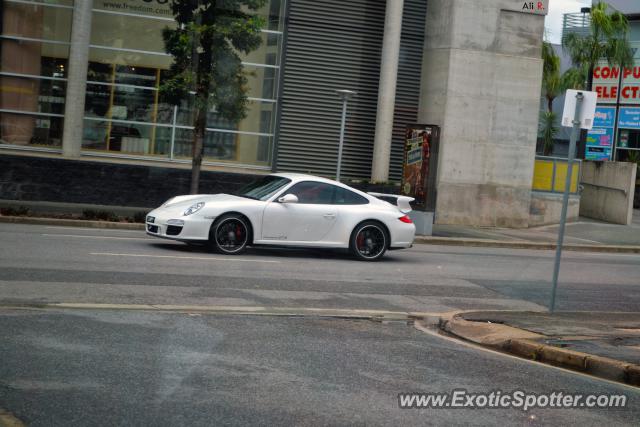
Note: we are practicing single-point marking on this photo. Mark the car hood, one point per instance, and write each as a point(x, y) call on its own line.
point(186, 201)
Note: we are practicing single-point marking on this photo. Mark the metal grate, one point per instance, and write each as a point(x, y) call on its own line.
point(336, 44)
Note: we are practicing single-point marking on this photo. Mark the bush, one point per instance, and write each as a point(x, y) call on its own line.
point(11, 211)
point(90, 214)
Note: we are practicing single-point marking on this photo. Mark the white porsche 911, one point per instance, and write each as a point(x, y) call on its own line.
point(288, 209)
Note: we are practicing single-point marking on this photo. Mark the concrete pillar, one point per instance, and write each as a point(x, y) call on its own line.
point(481, 83)
point(77, 78)
point(387, 90)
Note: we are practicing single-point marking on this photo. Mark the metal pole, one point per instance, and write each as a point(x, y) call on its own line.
point(173, 131)
point(344, 120)
point(565, 200)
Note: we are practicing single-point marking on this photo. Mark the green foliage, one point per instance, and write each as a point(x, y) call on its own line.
point(574, 78)
point(99, 215)
point(11, 211)
point(205, 47)
point(607, 39)
point(550, 74)
point(548, 131)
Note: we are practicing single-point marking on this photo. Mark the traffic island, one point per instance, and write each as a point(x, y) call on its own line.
point(604, 345)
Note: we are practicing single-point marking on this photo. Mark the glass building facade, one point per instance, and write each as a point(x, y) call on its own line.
point(124, 115)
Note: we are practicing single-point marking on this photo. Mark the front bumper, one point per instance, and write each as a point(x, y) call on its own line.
point(165, 225)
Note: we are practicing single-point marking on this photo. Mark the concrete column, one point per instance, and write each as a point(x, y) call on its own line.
point(387, 90)
point(481, 80)
point(77, 78)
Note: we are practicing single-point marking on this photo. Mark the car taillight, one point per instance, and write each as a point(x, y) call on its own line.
point(406, 219)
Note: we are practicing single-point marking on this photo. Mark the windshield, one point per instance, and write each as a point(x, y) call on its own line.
point(263, 188)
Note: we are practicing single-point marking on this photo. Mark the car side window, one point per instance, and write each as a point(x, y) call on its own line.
point(311, 192)
point(347, 197)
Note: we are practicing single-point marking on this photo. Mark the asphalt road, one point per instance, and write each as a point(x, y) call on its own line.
point(40, 264)
point(139, 368)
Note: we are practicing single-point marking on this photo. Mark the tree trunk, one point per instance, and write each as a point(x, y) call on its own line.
point(550, 104)
point(198, 151)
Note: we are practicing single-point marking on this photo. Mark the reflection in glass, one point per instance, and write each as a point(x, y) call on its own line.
point(23, 129)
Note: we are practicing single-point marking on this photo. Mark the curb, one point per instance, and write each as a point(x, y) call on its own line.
point(72, 223)
point(523, 244)
point(522, 343)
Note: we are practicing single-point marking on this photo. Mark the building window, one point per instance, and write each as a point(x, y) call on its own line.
point(124, 115)
point(34, 49)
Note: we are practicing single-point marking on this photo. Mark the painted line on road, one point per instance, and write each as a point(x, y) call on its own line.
point(187, 257)
point(98, 237)
point(94, 229)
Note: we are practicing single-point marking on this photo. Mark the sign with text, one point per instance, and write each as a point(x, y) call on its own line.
point(607, 78)
point(629, 118)
point(538, 7)
point(600, 138)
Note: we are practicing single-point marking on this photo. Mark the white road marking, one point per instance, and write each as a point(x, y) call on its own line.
point(187, 257)
point(57, 227)
point(98, 237)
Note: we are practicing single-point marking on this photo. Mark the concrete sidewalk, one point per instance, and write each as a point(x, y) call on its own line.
point(585, 231)
point(605, 345)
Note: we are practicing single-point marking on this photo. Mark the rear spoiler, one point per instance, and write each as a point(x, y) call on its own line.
point(402, 202)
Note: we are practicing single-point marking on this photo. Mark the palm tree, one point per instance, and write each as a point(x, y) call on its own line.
point(550, 74)
point(553, 84)
point(607, 39)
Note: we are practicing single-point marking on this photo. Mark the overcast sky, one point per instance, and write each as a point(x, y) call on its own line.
point(553, 21)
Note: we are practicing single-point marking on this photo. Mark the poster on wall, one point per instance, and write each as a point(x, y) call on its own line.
point(629, 118)
point(600, 137)
point(420, 165)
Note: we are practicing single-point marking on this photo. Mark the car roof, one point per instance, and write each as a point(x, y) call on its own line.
point(297, 177)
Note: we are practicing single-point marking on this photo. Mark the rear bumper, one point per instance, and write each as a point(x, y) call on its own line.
point(402, 236)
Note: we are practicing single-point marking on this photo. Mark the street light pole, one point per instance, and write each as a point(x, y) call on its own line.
point(345, 95)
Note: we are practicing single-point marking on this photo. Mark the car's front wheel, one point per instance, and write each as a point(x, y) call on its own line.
point(369, 241)
point(229, 234)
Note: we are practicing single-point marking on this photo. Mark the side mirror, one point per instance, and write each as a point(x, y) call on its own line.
point(288, 198)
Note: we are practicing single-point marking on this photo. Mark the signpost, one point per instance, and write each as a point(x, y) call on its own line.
point(579, 112)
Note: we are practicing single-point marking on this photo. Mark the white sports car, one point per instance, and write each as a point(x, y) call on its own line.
point(288, 209)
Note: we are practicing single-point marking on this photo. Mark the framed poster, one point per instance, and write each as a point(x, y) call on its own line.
point(419, 169)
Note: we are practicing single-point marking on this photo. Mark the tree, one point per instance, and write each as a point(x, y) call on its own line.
point(553, 84)
point(206, 46)
point(607, 39)
point(550, 74)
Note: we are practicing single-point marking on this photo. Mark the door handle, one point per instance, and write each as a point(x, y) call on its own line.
point(329, 215)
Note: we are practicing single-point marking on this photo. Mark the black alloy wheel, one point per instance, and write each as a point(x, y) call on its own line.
point(369, 241)
point(229, 234)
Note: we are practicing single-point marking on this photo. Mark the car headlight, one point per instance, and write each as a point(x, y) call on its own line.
point(193, 208)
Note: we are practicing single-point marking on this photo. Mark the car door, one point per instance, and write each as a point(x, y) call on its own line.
point(308, 220)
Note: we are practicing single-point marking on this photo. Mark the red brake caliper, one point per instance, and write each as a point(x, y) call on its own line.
point(239, 232)
point(359, 240)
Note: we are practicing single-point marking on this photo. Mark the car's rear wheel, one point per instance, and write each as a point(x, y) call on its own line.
point(229, 234)
point(369, 241)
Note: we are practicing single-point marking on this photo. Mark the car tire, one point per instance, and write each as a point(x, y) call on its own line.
point(369, 241)
point(229, 234)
